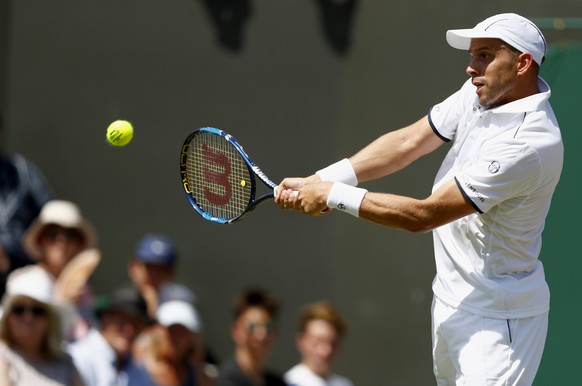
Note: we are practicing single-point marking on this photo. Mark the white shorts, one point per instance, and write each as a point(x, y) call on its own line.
point(471, 350)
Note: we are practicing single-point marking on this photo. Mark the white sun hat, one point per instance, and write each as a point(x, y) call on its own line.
point(62, 213)
point(515, 30)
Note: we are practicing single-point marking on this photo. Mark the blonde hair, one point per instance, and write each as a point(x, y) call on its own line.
point(322, 311)
point(51, 346)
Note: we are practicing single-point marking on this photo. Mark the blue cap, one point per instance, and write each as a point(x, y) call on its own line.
point(156, 249)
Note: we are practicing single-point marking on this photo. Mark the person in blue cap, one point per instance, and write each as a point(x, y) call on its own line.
point(153, 271)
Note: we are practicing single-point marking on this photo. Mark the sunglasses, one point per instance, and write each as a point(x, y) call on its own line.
point(52, 232)
point(36, 311)
point(269, 327)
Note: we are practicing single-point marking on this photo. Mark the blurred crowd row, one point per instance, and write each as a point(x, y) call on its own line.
point(55, 330)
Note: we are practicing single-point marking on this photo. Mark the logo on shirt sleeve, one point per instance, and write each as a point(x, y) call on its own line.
point(494, 167)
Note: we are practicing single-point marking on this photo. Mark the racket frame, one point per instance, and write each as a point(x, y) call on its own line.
point(254, 171)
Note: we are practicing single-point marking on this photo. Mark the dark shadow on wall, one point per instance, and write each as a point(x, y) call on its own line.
point(336, 18)
point(229, 18)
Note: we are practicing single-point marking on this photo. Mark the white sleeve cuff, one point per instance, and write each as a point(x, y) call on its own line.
point(346, 198)
point(341, 171)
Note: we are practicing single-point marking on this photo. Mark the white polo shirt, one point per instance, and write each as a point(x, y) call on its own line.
point(301, 375)
point(507, 161)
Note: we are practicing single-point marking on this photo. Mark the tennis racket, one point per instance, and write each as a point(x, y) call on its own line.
point(219, 178)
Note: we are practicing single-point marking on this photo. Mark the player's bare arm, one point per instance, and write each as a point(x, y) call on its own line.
point(395, 150)
point(445, 205)
point(386, 155)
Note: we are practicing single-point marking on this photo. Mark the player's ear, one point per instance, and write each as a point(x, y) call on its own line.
point(524, 62)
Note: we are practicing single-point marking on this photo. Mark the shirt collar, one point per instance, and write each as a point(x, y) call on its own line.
point(527, 104)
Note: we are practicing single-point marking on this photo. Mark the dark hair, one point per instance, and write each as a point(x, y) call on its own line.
point(255, 297)
point(126, 300)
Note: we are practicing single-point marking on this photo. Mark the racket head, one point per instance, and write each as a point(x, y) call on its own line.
point(217, 176)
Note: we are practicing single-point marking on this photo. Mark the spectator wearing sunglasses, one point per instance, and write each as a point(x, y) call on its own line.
point(30, 334)
point(60, 238)
point(253, 332)
point(57, 235)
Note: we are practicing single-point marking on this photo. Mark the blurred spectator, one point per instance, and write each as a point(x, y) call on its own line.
point(62, 243)
point(23, 191)
point(153, 271)
point(30, 334)
point(173, 350)
point(103, 357)
point(321, 330)
point(253, 331)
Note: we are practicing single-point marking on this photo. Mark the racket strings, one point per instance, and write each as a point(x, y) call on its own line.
point(218, 177)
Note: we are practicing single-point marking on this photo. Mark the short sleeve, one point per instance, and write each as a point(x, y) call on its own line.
point(504, 170)
point(444, 117)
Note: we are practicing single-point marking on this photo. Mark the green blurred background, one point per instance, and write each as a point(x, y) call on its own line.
point(301, 84)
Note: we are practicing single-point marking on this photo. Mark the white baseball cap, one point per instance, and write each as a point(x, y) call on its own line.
point(31, 281)
point(515, 30)
point(179, 312)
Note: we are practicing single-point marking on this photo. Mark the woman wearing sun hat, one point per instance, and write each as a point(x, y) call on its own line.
point(63, 244)
point(30, 333)
point(59, 225)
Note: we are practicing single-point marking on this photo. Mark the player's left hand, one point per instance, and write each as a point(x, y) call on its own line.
point(311, 199)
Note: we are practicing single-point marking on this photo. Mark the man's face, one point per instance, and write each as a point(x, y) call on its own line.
point(255, 331)
point(185, 343)
point(319, 345)
point(58, 246)
point(493, 69)
point(150, 275)
point(120, 330)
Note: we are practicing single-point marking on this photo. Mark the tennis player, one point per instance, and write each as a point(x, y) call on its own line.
point(487, 208)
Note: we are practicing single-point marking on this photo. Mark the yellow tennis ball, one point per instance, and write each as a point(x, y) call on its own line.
point(119, 133)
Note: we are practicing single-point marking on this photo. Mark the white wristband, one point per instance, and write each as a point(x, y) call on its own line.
point(341, 171)
point(346, 198)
